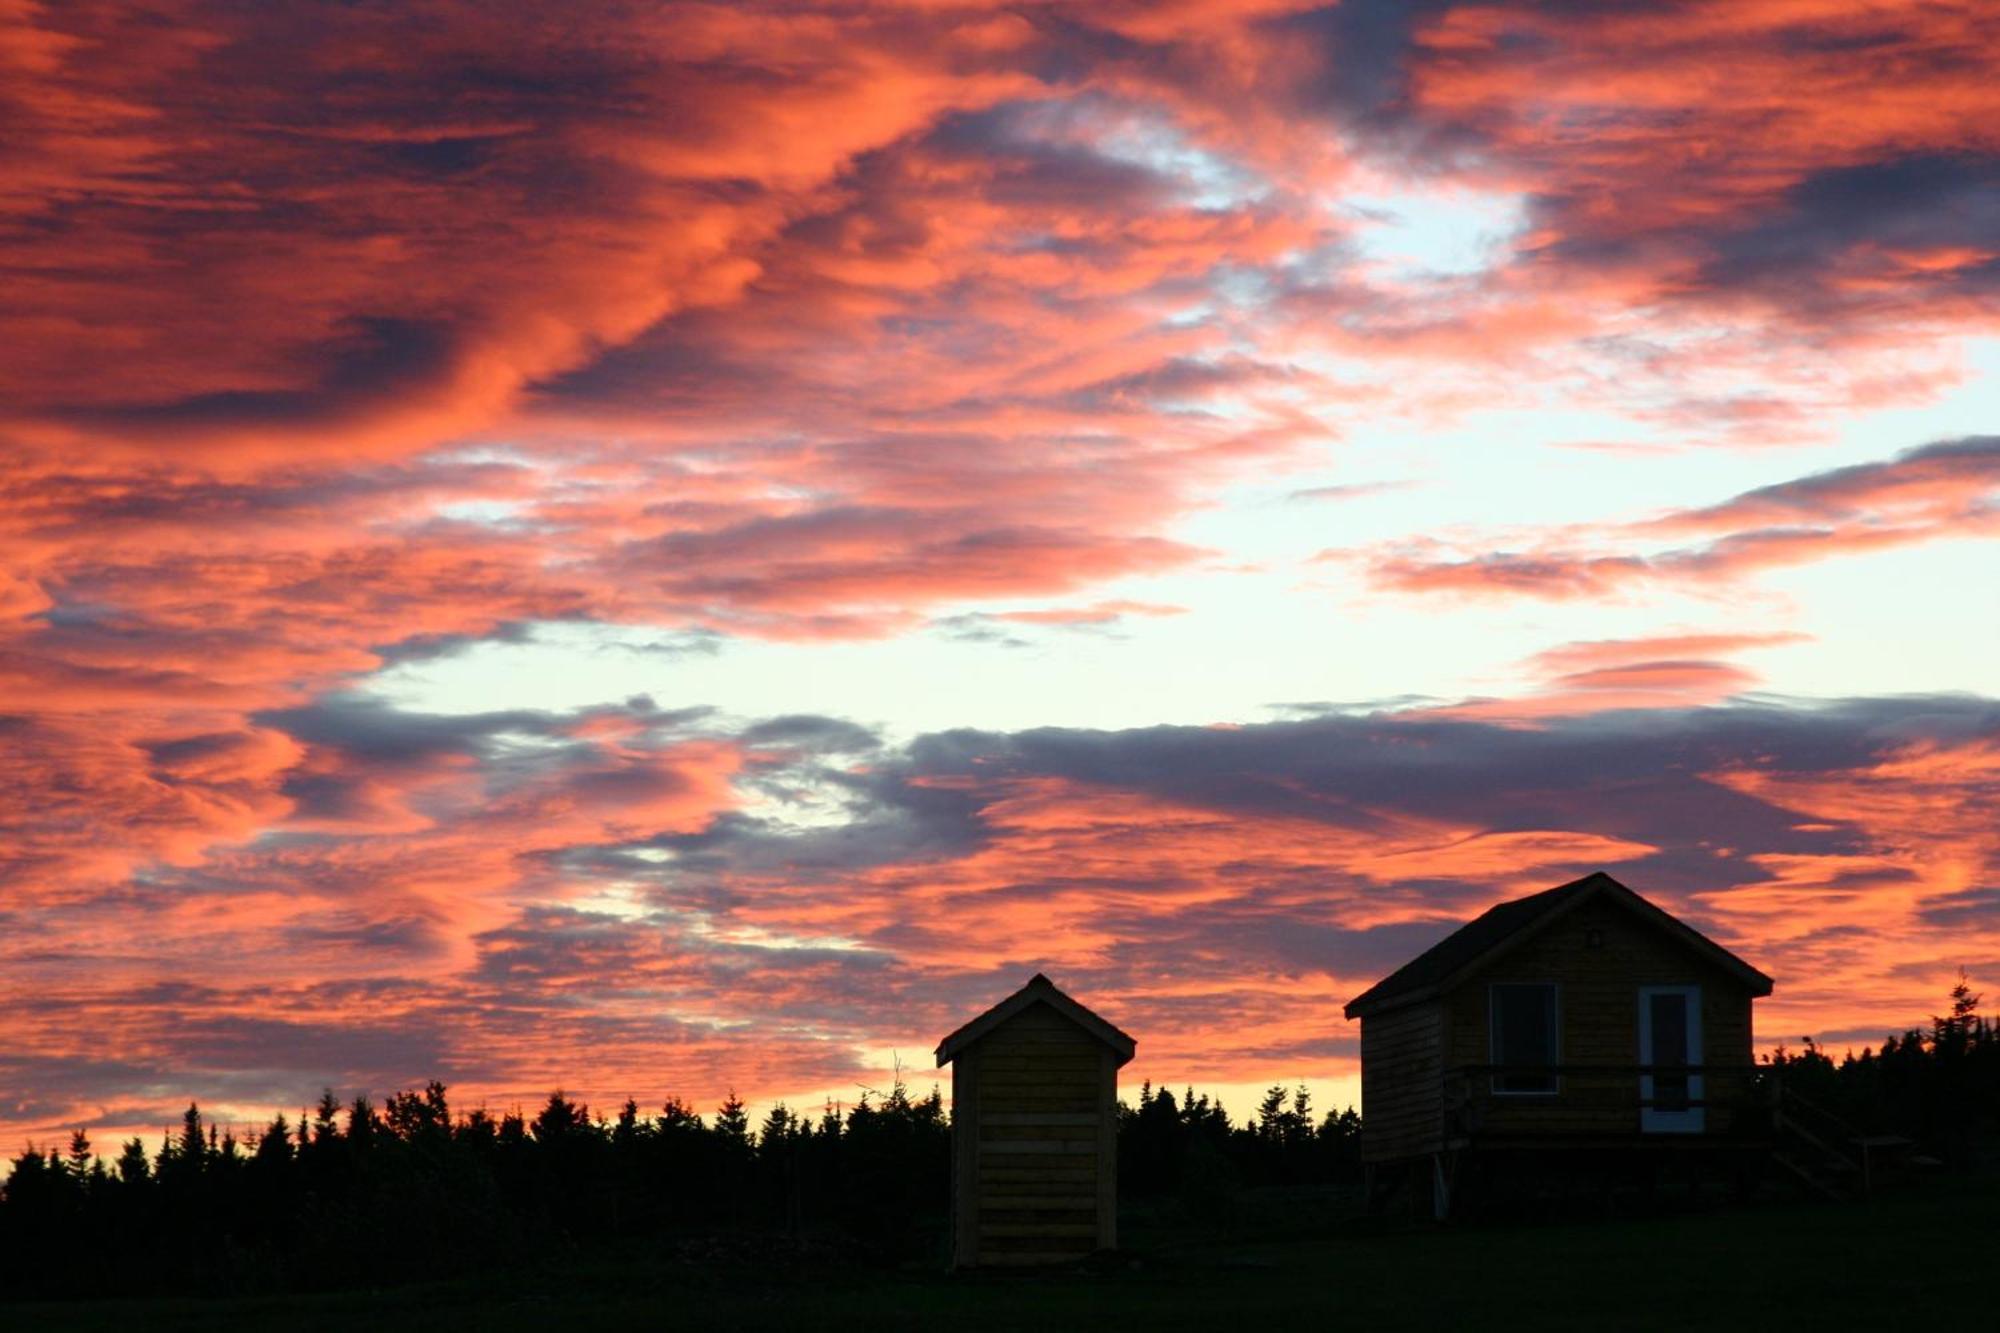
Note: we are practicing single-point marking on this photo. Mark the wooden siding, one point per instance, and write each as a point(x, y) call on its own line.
point(1598, 1015)
point(1034, 1121)
point(1401, 1082)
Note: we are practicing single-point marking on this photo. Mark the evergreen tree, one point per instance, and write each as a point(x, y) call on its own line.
point(1270, 1113)
point(79, 1155)
point(627, 1129)
point(363, 1124)
point(275, 1144)
point(325, 1126)
point(133, 1170)
point(559, 1118)
point(779, 1128)
point(191, 1153)
point(732, 1121)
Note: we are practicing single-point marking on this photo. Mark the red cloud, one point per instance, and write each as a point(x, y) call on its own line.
point(337, 335)
point(1279, 867)
point(1715, 134)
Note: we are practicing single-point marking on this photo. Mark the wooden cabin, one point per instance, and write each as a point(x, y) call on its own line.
point(1034, 1127)
point(1579, 1018)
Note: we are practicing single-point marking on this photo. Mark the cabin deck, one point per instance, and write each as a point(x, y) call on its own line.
point(1697, 1106)
point(1726, 1120)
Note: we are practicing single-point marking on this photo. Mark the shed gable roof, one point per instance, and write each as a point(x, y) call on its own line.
point(1039, 990)
point(1504, 925)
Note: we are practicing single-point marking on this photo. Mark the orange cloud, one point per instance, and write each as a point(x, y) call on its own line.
point(1659, 671)
point(483, 897)
point(339, 338)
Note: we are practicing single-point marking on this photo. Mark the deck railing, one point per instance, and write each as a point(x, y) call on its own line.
point(1603, 1098)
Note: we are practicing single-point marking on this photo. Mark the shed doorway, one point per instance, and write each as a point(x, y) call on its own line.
point(1670, 1094)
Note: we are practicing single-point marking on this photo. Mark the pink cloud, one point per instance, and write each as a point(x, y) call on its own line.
point(1938, 492)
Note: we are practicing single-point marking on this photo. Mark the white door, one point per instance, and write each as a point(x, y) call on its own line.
point(1669, 1043)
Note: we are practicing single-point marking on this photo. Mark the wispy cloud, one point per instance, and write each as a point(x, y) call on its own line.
point(1949, 490)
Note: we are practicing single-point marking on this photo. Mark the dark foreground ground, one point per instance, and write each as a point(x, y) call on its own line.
point(1920, 1259)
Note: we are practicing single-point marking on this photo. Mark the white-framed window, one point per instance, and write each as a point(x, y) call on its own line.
point(1524, 1020)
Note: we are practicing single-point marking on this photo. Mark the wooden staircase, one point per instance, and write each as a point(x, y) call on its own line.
point(1826, 1154)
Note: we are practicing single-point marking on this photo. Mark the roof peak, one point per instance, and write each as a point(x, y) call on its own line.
point(1038, 990)
point(1477, 941)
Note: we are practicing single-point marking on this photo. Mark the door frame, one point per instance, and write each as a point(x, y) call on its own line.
point(1652, 1120)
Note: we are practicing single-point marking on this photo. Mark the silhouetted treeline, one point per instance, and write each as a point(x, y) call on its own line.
point(1939, 1086)
point(1188, 1150)
point(409, 1190)
point(360, 1194)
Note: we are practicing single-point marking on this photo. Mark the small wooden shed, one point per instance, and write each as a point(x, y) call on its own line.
point(1576, 1019)
point(1034, 1126)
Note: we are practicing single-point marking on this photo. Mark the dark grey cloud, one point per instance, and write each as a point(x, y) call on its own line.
point(811, 733)
point(1340, 770)
point(1027, 172)
point(374, 729)
point(1970, 462)
point(972, 627)
point(410, 937)
point(432, 647)
point(1350, 490)
point(377, 731)
point(1969, 909)
point(370, 361)
point(1641, 776)
point(700, 932)
point(670, 647)
point(1367, 47)
point(1917, 203)
point(1794, 248)
point(362, 740)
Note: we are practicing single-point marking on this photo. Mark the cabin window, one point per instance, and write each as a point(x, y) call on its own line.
point(1523, 1022)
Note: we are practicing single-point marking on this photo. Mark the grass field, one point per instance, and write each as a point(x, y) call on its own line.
point(1913, 1256)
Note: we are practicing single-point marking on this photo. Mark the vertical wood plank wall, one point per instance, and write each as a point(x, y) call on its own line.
point(1035, 1143)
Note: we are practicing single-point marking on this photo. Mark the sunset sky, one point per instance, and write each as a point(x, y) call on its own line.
point(656, 548)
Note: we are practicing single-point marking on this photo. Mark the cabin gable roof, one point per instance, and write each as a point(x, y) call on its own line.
point(1503, 927)
point(1039, 990)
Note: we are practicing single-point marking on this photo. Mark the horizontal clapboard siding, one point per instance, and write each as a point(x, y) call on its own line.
point(1402, 1068)
point(1036, 1145)
point(1599, 956)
